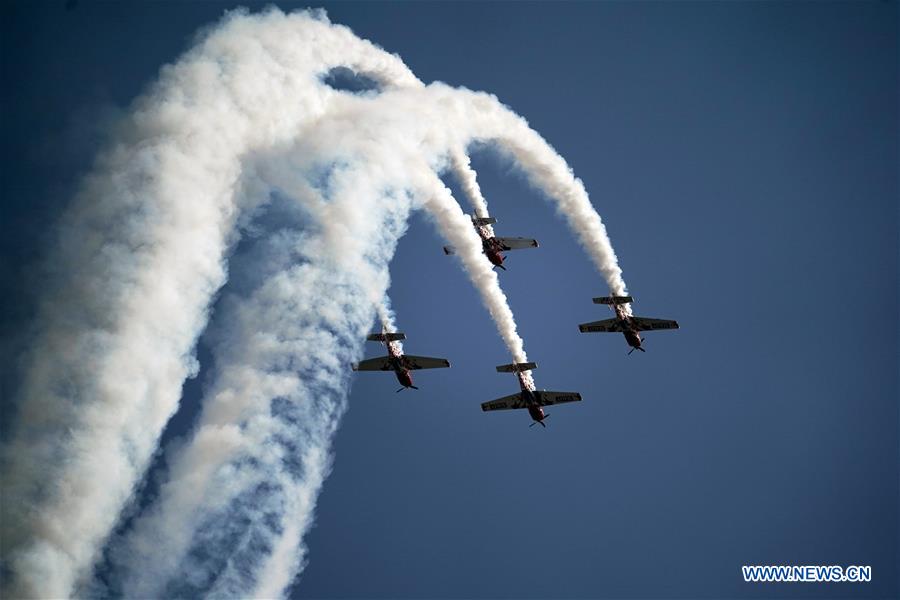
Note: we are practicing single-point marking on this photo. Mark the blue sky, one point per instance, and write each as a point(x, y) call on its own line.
point(744, 158)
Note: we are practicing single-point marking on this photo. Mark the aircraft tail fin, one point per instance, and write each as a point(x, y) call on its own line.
point(517, 367)
point(613, 300)
point(484, 220)
point(386, 337)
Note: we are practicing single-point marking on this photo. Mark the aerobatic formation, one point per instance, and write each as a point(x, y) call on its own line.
point(243, 177)
point(528, 398)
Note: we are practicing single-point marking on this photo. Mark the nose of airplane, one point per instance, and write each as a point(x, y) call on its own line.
point(406, 379)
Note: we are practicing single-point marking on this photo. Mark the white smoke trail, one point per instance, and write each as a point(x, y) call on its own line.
point(396, 129)
point(462, 167)
point(139, 255)
point(385, 313)
point(481, 117)
point(388, 320)
point(548, 171)
point(468, 181)
point(230, 518)
point(164, 536)
point(551, 174)
point(239, 496)
point(458, 230)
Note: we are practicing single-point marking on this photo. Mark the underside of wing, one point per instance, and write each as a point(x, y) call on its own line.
point(382, 363)
point(510, 402)
point(546, 398)
point(424, 362)
point(516, 243)
point(604, 326)
point(648, 324)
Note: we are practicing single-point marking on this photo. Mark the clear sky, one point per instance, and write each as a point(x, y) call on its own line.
point(744, 157)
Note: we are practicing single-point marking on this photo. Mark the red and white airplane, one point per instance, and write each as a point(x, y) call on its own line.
point(624, 323)
point(530, 398)
point(493, 246)
point(401, 364)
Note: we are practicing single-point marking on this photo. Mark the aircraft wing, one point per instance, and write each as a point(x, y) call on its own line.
point(382, 363)
point(510, 402)
point(550, 398)
point(604, 326)
point(424, 362)
point(647, 324)
point(516, 243)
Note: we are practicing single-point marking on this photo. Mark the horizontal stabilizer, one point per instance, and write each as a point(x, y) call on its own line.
point(613, 300)
point(516, 367)
point(386, 337)
point(449, 250)
point(484, 220)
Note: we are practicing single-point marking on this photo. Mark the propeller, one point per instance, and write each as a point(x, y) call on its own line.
point(541, 422)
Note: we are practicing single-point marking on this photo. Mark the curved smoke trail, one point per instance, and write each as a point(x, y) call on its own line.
point(468, 181)
point(139, 255)
point(208, 501)
point(239, 495)
point(241, 119)
point(388, 320)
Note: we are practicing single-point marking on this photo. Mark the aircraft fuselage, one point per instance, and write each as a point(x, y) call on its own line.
point(400, 370)
point(490, 247)
point(535, 410)
point(631, 335)
point(537, 413)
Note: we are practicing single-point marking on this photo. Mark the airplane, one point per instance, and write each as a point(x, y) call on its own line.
point(627, 324)
point(494, 246)
point(530, 398)
point(401, 364)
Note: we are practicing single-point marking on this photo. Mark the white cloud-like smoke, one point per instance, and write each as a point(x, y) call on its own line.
point(468, 181)
point(239, 124)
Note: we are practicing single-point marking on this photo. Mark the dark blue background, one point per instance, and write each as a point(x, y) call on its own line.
point(745, 160)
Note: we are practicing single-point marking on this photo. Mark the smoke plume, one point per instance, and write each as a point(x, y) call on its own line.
point(468, 181)
point(239, 128)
